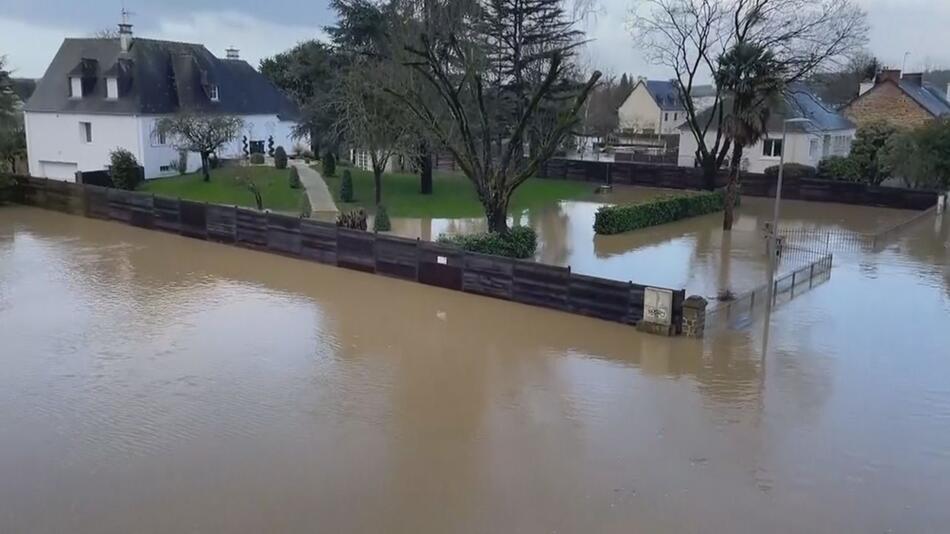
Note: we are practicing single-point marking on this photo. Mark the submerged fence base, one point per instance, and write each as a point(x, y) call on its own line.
point(428, 263)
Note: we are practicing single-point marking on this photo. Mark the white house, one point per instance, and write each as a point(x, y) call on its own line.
point(823, 133)
point(654, 106)
point(100, 94)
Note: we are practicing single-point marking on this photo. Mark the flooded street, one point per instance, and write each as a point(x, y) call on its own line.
point(690, 254)
point(152, 383)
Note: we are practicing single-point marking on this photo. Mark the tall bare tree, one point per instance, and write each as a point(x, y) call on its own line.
point(204, 134)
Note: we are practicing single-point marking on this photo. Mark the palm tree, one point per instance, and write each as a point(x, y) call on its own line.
point(752, 79)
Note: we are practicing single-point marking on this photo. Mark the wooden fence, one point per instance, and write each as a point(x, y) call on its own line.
point(414, 260)
point(754, 185)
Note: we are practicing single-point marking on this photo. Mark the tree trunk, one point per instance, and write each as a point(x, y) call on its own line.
point(732, 188)
point(496, 211)
point(378, 183)
point(425, 169)
point(205, 172)
point(710, 171)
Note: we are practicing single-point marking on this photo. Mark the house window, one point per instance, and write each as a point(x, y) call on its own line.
point(158, 136)
point(75, 87)
point(841, 145)
point(85, 132)
point(813, 148)
point(666, 117)
point(772, 148)
point(213, 93)
point(165, 168)
point(676, 116)
point(112, 89)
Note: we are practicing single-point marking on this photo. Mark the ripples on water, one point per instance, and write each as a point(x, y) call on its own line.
point(158, 384)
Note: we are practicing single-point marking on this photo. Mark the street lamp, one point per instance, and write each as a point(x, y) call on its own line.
point(773, 232)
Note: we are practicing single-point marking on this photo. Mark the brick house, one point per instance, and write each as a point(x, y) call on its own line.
point(904, 101)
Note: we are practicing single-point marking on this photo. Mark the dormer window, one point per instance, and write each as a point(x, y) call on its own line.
point(75, 87)
point(213, 93)
point(112, 88)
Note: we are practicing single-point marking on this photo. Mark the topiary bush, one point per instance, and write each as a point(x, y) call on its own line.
point(280, 158)
point(329, 164)
point(124, 169)
point(257, 159)
point(792, 170)
point(354, 220)
point(381, 221)
point(295, 179)
point(839, 168)
point(346, 187)
point(618, 219)
point(520, 242)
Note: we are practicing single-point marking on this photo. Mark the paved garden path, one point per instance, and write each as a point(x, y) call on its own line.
point(321, 201)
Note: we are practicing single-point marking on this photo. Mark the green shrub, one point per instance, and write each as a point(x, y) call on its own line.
point(124, 169)
point(381, 221)
point(520, 242)
point(329, 164)
point(346, 187)
point(792, 170)
point(295, 178)
point(619, 219)
point(839, 168)
point(280, 158)
point(257, 159)
point(354, 220)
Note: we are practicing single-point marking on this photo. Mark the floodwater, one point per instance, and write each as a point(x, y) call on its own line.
point(692, 254)
point(155, 384)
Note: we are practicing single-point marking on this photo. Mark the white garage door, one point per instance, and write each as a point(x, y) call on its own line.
point(59, 170)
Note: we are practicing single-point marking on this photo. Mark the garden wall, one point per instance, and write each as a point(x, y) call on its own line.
point(414, 260)
point(755, 185)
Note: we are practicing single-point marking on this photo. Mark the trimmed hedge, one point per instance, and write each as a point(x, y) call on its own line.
point(618, 219)
point(520, 242)
point(280, 158)
point(295, 182)
point(792, 170)
point(381, 221)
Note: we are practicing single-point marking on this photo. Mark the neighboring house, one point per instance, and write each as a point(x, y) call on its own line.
point(100, 94)
point(827, 133)
point(655, 107)
point(362, 159)
point(904, 101)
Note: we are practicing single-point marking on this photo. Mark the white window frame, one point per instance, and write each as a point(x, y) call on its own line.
point(85, 132)
point(814, 147)
point(158, 138)
point(75, 87)
point(213, 93)
point(767, 143)
point(112, 88)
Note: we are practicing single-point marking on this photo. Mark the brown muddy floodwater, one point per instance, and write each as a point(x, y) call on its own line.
point(156, 384)
point(693, 254)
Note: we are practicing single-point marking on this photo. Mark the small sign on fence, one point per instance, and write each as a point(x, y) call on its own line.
point(658, 306)
point(442, 260)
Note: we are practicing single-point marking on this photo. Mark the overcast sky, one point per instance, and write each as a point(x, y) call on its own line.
point(31, 30)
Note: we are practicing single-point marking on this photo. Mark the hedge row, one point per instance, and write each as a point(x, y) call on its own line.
point(520, 242)
point(618, 219)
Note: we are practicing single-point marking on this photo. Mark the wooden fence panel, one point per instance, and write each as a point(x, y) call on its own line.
point(601, 298)
point(193, 217)
point(318, 241)
point(283, 234)
point(96, 200)
point(356, 250)
point(130, 207)
point(33, 191)
point(66, 197)
point(637, 297)
point(166, 214)
point(440, 265)
point(487, 275)
point(396, 256)
point(251, 228)
point(540, 285)
point(220, 222)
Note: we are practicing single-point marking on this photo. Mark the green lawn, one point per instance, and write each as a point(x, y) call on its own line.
point(453, 194)
point(224, 188)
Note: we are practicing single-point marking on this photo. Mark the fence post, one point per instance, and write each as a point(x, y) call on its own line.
point(694, 316)
point(811, 275)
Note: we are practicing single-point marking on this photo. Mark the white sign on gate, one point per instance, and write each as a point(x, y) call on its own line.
point(658, 306)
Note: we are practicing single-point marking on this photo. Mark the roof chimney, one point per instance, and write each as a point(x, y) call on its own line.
point(915, 79)
point(893, 75)
point(233, 53)
point(125, 32)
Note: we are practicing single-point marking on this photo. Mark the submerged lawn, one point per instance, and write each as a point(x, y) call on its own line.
point(225, 188)
point(453, 194)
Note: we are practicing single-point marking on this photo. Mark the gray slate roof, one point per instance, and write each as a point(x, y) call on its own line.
point(929, 97)
point(667, 97)
point(798, 102)
point(155, 77)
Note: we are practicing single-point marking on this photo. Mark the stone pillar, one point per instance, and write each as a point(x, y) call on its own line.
point(694, 316)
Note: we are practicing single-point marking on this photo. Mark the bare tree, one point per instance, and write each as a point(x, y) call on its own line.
point(106, 33)
point(689, 36)
point(368, 118)
point(204, 134)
